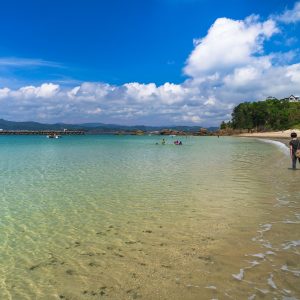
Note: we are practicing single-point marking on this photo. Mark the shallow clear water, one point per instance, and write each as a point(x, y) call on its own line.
point(119, 217)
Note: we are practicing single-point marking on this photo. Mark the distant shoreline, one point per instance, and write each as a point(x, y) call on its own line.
point(42, 132)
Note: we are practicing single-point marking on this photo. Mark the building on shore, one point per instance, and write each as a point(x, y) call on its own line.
point(293, 98)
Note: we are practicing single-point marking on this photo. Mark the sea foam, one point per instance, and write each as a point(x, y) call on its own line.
point(280, 145)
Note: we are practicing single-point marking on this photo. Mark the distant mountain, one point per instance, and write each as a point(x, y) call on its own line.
point(11, 125)
point(92, 127)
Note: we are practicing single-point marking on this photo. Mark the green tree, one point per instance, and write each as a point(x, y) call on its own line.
point(272, 114)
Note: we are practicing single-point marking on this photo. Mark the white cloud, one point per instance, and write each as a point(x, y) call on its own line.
point(168, 93)
point(46, 90)
point(17, 62)
point(4, 92)
point(210, 101)
point(293, 73)
point(290, 15)
point(141, 92)
point(228, 44)
point(191, 118)
point(95, 111)
point(227, 66)
point(73, 92)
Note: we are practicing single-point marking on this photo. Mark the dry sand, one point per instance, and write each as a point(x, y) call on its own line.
point(272, 134)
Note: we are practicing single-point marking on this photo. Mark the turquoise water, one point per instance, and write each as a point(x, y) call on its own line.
point(86, 217)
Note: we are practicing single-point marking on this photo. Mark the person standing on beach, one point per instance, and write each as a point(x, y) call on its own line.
point(294, 146)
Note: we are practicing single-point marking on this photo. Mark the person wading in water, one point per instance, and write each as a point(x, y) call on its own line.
point(294, 146)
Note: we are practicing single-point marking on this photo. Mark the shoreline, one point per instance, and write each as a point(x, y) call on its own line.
point(283, 140)
point(280, 136)
point(285, 134)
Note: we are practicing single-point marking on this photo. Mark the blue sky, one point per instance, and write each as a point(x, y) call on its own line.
point(143, 62)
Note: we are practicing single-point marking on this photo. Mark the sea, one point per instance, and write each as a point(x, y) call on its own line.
point(125, 217)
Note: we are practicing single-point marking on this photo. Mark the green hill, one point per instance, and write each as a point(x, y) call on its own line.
point(270, 114)
point(92, 127)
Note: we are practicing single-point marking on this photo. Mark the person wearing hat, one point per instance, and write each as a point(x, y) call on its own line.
point(294, 147)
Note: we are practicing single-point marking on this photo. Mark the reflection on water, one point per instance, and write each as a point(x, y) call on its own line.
point(123, 218)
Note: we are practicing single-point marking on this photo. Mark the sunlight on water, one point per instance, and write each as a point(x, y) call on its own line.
point(123, 218)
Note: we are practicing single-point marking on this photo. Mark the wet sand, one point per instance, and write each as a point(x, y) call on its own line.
point(279, 136)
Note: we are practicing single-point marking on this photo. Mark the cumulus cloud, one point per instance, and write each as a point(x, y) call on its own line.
point(228, 44)
point(46, 90)
point(4, 92)
point(129, 103)
point(227, 66)
point(290, 15)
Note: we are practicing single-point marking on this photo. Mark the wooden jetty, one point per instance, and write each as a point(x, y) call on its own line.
point(42, 132)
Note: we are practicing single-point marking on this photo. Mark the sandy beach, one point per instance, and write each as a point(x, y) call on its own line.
point(286, 134)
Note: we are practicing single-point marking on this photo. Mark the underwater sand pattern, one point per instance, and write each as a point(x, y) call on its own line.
point(123, 218)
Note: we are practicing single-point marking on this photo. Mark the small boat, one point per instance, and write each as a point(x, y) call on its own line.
point(53, 136)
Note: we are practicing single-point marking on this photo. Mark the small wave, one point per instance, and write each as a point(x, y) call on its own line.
point(290, 222)
point(239, 276)
point(263, 291)
point(268, 245)
point(290, 244)
point(265, 227)
point(271, 283)
point(295, 272)
point(259, 255)
point(282, 200)
point(253, 264)
point(212, 287)
point(280, 145)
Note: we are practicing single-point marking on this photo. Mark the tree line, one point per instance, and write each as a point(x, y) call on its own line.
point(271, 114)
